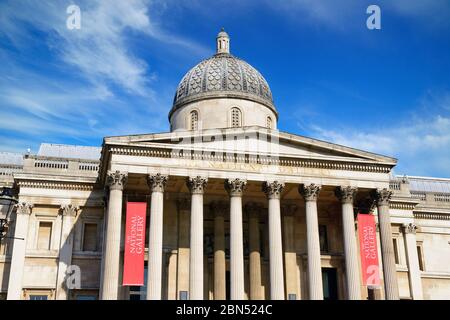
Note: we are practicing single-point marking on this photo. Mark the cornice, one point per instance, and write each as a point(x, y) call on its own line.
point(247, 158)
point(78, 186)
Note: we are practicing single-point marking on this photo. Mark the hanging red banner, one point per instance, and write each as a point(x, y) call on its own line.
point(368, 248)
point(133, 264)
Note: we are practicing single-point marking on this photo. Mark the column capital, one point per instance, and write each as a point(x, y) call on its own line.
point(24, 208)
point(289, 210)
point(382, 196)
point(409, 228)
point(345, 194)
point(219, 208)
point(309, 192)
point(116, 180)
point(273, 189)
point(69, 210)
point(253, 209)
point(197, 185)
point(157, 182)
point(235, 187)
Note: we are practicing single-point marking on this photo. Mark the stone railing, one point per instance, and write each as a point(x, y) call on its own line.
point(75, 167)
point(422, 196)
point(8, 170)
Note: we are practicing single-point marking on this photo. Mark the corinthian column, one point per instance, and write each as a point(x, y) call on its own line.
point(352, 276)
point(382, 198)
point(156, 184)
point(197, 186)
point(415, 281)
point(218, 209)
point(110, 286)
point(254, 210)
point(310, 194)
point(273, 192)
point(290, 256)
point(23, 211)
point(235, 188)
point(68, 215)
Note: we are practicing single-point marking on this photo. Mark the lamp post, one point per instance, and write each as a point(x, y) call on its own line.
point(7, 202)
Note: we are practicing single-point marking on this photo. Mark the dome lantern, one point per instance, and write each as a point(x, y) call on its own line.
point(223, 42)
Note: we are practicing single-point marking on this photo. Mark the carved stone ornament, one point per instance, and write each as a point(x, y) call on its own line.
point(410, 228)
point(157, 182)
point(116, 180)
point(69, 210)
point(382, 196)
point(310, 192)
point(346, 194)
point(197, 185)
point(273, 189)
point(24, 208)
point(235, 187)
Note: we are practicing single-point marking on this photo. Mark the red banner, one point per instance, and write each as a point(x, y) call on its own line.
point(133, 265)
point(369, 253)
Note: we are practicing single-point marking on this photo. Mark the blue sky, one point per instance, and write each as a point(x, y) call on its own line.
point(386, 91)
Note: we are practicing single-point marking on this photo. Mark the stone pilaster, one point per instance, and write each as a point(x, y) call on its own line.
point(235, 188)
point(219, 209)
point(310, 193)
point(415, 281)
point(253, 211)
point(68, 216)
point(23, 211)
point(273, 192)
point(197, 186)
point(290, 256)
point(352, 276)
point(184, 209)
point(382, 197)
point(156, 184)
point(110, 287)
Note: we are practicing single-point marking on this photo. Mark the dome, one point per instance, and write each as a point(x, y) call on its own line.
point(223, 76)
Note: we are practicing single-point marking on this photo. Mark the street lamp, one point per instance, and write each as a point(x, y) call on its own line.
point(7, 202)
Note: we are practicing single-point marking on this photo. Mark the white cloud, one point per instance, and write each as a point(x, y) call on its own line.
point(100, 50)
point(421, 146)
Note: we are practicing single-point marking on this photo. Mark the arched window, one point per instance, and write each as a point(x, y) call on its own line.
point(269, 122)
point(236, 118)
point(193, 120)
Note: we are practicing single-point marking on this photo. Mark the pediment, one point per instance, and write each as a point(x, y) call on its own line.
point(253, 140)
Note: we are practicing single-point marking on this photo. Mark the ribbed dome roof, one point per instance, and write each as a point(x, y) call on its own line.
point(223, 76)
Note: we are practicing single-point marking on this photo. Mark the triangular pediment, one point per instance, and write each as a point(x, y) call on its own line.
point(252, 140)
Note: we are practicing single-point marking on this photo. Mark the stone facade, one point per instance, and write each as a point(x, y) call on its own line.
point(243, 212)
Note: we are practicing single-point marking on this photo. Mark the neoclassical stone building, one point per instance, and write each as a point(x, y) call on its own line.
point(236, 208)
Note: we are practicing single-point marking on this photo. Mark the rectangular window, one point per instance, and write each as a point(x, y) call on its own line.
point(44, 235)
point(323, 237)
point(90, 237)
point(420, 256)
point(397, 260)
point(38, 297)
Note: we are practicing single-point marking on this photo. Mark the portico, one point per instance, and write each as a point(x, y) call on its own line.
point(245, 210)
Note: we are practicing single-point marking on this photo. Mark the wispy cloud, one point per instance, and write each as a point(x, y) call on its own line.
point(420, 142)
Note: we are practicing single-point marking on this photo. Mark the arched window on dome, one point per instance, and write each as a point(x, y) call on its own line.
point(269, 122)
point(193, 120)
point(236, 118)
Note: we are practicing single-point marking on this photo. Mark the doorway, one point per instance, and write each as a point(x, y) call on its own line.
point(329, 280)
